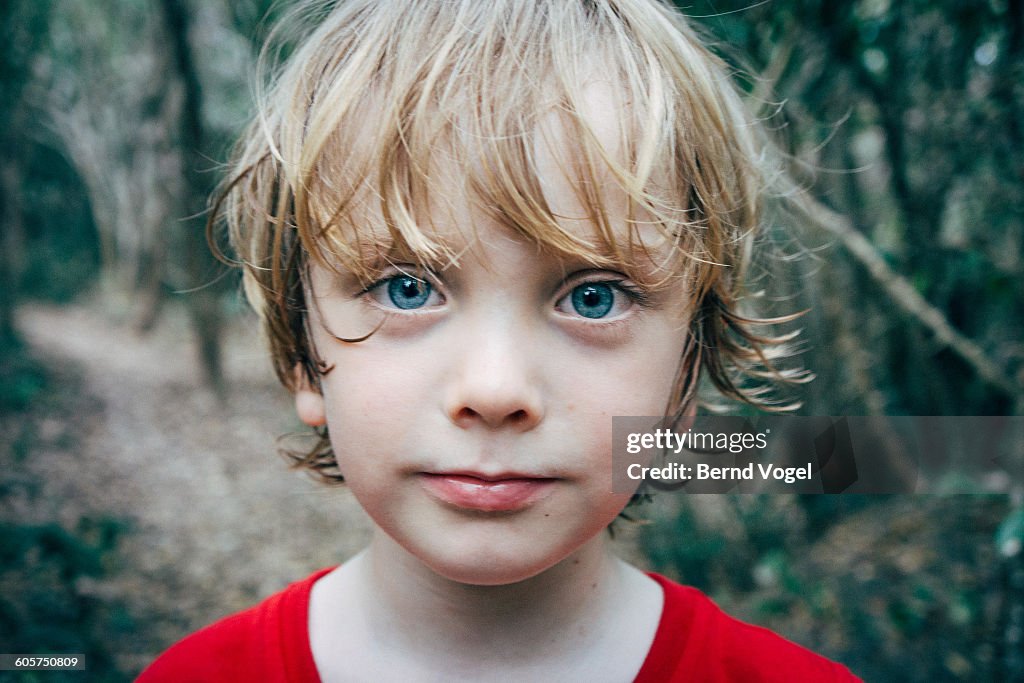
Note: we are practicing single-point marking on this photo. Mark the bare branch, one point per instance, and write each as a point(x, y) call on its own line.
point(910, 301)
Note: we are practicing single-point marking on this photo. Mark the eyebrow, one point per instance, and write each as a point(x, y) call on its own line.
point(372, 249)
point(634, 256)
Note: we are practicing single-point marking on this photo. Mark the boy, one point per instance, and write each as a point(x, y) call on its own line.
point(475, 231)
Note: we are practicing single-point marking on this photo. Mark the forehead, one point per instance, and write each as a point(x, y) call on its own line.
point(557, 178)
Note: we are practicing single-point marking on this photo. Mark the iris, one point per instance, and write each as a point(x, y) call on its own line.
point(408, 292)
point(593, 300)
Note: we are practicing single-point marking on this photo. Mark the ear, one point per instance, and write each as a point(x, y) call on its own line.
point(309, 402)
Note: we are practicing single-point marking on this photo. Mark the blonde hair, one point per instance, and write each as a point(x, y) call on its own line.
point(380, 90)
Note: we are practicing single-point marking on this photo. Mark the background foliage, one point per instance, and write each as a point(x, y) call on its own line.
point(906, 118)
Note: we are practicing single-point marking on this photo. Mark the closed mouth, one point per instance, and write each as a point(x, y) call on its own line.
point(507, 492)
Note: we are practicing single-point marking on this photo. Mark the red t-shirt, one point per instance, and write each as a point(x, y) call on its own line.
point(695, 642)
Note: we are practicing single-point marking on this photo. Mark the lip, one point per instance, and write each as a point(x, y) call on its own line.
point(486, 493)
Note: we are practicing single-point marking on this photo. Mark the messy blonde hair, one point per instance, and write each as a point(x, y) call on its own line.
point(379, 90)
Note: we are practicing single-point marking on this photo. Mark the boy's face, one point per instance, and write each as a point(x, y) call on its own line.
point(475, 426)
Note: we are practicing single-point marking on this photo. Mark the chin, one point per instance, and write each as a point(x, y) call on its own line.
point(487, 576)
point(488, 566)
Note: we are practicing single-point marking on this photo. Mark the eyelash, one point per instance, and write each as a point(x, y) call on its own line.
point(617, 323)
point(430, 279)
point(636, 294)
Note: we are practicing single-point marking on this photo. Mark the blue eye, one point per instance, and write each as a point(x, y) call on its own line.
point(408, 292)
point(593, 300)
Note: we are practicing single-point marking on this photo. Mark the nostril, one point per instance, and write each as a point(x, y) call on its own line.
point(466, 416)
point(466, 413)
point(493, 401)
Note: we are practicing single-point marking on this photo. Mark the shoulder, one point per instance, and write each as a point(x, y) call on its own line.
point(267, 642)
point(697, 641)
point(224, 648)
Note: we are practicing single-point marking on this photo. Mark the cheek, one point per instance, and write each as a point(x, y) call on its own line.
point(653, 369)
point(630, 383)
point(373, 410)
point(368, 387)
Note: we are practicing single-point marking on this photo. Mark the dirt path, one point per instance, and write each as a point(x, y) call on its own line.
point(215, 518)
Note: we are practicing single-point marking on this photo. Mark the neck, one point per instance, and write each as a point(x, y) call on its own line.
point(546, 608)
point(385, 613)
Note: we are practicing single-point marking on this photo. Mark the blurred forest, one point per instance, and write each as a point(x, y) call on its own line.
point(907, 121)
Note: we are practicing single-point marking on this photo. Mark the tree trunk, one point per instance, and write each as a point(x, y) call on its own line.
point(200, 265)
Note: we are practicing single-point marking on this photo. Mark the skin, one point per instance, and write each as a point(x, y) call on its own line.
point(496, 372)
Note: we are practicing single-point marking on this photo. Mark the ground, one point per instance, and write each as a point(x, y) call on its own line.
point(212, 517)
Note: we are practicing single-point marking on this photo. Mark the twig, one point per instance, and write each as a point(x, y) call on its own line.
point(907, 298)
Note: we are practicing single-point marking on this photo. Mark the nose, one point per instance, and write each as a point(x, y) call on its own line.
point(495, 382)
